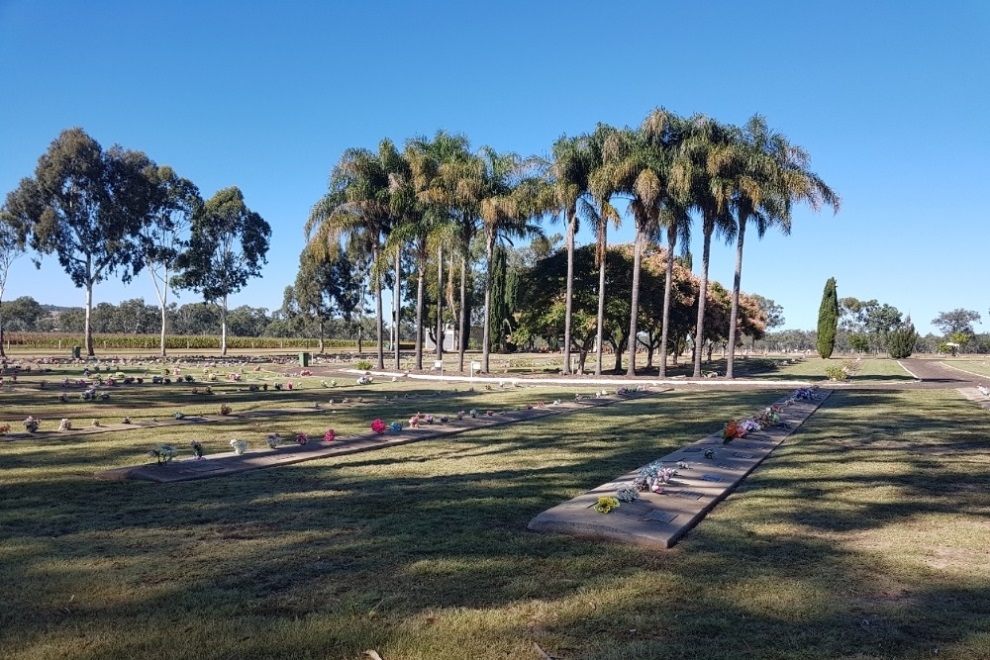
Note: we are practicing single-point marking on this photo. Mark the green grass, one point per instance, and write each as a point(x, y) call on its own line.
point(975, 365)
point(863, 536)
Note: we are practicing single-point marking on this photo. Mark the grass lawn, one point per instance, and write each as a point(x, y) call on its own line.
point(863, 536)
point(975, 365)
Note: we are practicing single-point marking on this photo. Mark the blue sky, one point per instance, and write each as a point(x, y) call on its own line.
point(890, 98)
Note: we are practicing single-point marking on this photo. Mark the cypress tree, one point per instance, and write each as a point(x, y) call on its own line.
point(901, 340)
point(828, 319)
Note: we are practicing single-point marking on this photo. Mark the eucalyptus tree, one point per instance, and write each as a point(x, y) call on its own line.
point(358, 205)
point(227, 246)
point(571, 168)
point(703, 173)
point(773, 176)
point(165, 233)
point(324, 287)
point(608, 147)
point(12, 246)
point(86, 206)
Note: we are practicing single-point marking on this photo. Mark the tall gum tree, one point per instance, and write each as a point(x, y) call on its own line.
point(86, 205)
point(227, 246)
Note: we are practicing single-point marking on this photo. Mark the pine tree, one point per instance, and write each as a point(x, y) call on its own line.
point(901, 340)
point(828, 319)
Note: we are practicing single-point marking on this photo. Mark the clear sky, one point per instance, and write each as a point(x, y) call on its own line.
point(890, 98)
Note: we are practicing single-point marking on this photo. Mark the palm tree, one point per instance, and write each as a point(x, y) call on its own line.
point(571, 168)
point(702, 172)
point(608, 148)
point(774, 177)
point(676, 220)
point(358, 204)
point(510, 195)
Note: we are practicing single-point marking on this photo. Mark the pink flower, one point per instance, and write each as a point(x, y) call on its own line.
point(378, 426)
point(329, 436)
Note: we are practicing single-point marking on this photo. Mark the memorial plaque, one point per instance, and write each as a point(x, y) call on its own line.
point(742, 455)
point(688, 450)
point(711, 477)
point(660, 516)
point(687, 494)
point(734, 468)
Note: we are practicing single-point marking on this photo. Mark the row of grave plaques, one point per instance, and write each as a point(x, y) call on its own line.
point(710, 471)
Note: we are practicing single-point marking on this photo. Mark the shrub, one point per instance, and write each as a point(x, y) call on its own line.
point(835, 372)
point(363, 365)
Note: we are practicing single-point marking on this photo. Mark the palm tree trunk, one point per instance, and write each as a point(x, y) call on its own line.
point(379, 318)
point(397, 292)
point(420, 289)
point(462, 331)
point(485, 340)
point(601, 304)
point(734, 313)
point(634, 302)
point(709, 229)
point(440, 295)
point(668, 287)
point(571, 230)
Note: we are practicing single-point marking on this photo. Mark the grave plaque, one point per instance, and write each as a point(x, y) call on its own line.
point(734, 468)
point(688, 494)
point(711, 477)
point(742, 455)
point(663, 517)
point(688, 450)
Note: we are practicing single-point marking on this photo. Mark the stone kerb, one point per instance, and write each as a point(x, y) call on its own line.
point(231, 463)
point(713, 470)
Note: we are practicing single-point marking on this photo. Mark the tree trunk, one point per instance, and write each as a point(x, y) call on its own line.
point(223, 327)
point(734, 313)
point(634, 303)
point(162, 338)
point(601, 308)
point(379, 312)
point(667, 291)
point(322, 333)
point(485, 340)
point(396, 307)
point(463, 331)
point(88, 340)
point(708, 229)
point(420, 289)
point(571, 230)
point(440, 333)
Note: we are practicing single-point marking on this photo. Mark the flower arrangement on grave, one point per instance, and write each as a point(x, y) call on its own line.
point(414, 421)
point(306, 372)
point(4, 429)
point(289, 385)
point(278, 387)
point(804, 394)
point(180, 415)
point(428, 418)
point(473, 413)
point(96, 423)
point(732, 431)
point(301, 438)
point(444, 419)
point(126, 420)
point(578, 396)
point(627, 493)
point(653, 476)
point(163, 454)
point(240, 446)
point(606, 503)
point(710, 454)
point(378, 426)
point(224, 409)
point(188, 378)
point(65, 425)
point(197, 448)
point(31, 424)
point(253, 388)
point(748, 426)
point(329, 436)
point(395, 427)
point(460, 414)
point(62, 397)
point(364, 380)
point(273, 440)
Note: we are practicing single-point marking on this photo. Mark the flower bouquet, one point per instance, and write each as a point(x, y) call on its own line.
point(240, 446)
point(414, 421)
point(197, 448)
point(329, 436)
point(606, 504)
point(31, 424)
point(395, 427)
point(732, 431)
point(301, 438)
point(65, 425)
point(163, 454)
point(653, 476)
point(273, 440)
point(378, 426)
